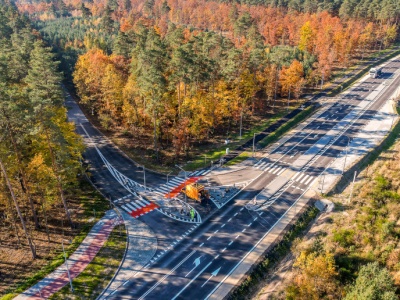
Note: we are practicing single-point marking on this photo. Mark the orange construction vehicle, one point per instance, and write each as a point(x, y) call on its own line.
point(195, 191)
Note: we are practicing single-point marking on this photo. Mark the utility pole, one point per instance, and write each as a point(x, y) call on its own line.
point(66, 264)
point(352, 186)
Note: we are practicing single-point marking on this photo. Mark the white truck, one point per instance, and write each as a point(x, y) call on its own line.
point(375, 72)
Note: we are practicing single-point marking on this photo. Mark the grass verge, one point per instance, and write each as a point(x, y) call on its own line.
point(280, 250)
point(93, 207)
point(238, 159)
point(203, 160)
point(91, 282)
point(274, 136)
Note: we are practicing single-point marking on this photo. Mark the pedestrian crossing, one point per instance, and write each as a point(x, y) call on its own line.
point(200, 173)
point(303, 178)
point(270, 167)
point(136, 207)
point(174, 186)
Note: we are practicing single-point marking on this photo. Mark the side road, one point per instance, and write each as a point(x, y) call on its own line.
point(77, 262)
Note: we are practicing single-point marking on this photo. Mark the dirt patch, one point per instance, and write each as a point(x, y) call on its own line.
point(18, 269)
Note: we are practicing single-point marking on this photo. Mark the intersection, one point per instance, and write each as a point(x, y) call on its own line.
point(201, 260)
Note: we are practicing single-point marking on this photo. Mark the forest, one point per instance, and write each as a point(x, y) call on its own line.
point(182, 72)
point(40, 153)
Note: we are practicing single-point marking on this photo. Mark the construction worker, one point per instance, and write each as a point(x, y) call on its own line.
point(192, 212)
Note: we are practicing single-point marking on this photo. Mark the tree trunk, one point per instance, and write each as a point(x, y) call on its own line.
point(59, 185)
point(18, 210)
point(24, 183)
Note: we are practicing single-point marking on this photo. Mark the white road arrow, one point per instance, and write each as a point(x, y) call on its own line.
point(213, 274)
point(196, 264)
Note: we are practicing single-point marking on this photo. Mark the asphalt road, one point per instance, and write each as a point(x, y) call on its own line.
point(203, 259)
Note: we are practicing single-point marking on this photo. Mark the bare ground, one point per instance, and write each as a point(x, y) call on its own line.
point(16, 263)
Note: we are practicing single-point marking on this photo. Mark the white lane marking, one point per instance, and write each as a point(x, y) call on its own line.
point(295, 176)
point(241, 208)
point(216, 231)
point(216, 256)
point(276, 170)
point(230, 243)
point(126, 209)
point(201, 245)
point(235, 215)
point(254, 247)
point(208, 171)
point(237, 236)
point(281, 171)
point(255, 219)
point(209, 237)
point(302, 174)
point(141, 202)
point(249, 224)
point(125, 282)
point(309, 180)
point(213, 274)
point(305, 178)
point(196, 264)
point(193, 279)
point(167, 275)
point(229, 219)
point(244, 230)
point(222, 225)
point(261, 214)
point(223, 249)
point(130, 206)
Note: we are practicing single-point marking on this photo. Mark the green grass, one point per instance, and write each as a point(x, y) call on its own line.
point(274, 136)
point(238, 159)
point(215, 154)
point(91, 282)
point(89, 200)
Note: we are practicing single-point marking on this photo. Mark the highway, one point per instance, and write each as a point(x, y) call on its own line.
point(193, 265)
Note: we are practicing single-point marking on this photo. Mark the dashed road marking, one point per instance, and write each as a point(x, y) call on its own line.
point(201, 245)
point(230, 243)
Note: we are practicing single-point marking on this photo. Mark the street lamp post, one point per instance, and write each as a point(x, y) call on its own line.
point(144, 176)
point(168, 175)
point(185, 181)
point(66, 264)
point(345, 158)
point(254, 142)
point(182, 170)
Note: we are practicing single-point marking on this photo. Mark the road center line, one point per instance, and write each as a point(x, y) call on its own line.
point(230, 243)
point(201, 245)
point(167, 275)
point(209, 237)
point(216, 231)
point(222, 225)
point(193, 279)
